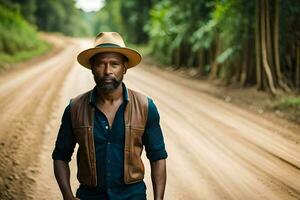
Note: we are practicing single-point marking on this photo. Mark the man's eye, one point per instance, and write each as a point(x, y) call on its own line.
point(115, 64)
point(99, 65)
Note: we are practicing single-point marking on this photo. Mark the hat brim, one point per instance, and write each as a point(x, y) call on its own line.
point(134, 58)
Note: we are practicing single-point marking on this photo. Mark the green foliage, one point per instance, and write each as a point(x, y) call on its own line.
point(144, 49)
point(62, 16)
point(52, 15)
point(134, 16)
point(102, 22)
point(178, 30)
point(215, 36)
point(161, 30)
point(235, 26)
point(26, 8)
point(291, 102)
point(204, 35)
point(172, 28)
point(109, 18)
point(225, 55)
point(18, 39)
point(127, 17)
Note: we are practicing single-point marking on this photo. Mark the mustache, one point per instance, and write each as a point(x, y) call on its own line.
point(108, 78)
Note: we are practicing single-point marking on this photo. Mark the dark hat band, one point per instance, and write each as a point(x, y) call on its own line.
point(107, 45)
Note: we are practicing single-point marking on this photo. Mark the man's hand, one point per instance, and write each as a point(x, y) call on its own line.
point(159, 177)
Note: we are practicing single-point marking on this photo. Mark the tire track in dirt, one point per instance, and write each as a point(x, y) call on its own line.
point(279, 127)
point(211, 124)
point(76, 82)
point(25, 105)
point(16, 91)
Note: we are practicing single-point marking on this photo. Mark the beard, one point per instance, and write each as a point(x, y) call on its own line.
point(108, 84)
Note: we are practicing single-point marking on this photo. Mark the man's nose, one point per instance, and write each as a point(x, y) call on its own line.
point(107, 69)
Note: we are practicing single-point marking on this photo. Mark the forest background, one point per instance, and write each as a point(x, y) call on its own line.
point(245, 43)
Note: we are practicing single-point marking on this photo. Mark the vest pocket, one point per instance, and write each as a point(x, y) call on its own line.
point(136, 134)
point(136, 148)
point(84, 173)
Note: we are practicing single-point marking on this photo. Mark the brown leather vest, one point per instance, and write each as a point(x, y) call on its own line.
point(135, 116)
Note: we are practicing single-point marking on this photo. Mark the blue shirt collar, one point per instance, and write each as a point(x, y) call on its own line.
point(93, 96)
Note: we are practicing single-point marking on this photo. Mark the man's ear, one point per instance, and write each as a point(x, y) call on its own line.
point(125, 67)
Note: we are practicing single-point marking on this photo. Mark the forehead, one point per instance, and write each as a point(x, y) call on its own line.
point(109, 55)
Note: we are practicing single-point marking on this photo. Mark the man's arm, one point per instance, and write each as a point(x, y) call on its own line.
point(155, 151)
point(62, 175)
point(159, 177)
point(62, 154)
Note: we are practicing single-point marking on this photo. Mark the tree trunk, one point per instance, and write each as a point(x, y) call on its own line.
point(257, 46)
point(200, 61)
point(245, 63)
point(281, 83)
point(177, 57)
point(269, 35)
point(243, 72)
point(266, 65)
point(297, 82)
point(214, 65)
point(251, 73)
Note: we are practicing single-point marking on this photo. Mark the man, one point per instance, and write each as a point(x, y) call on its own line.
point(111, 124)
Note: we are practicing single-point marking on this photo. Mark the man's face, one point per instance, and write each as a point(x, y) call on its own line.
point(108, 70)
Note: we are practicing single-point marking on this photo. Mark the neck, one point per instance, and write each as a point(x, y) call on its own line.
point(109, 96)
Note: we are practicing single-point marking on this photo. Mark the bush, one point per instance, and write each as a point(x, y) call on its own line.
point(18, 39)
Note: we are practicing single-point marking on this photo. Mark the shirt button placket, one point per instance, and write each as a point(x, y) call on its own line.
point(108, 161)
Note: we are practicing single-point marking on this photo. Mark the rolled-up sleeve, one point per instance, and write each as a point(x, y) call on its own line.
point(65, 142)
point(153, 136)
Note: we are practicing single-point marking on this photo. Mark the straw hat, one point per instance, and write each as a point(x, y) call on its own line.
point(109, 42)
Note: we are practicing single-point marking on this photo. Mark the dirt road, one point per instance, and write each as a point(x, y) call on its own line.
point(216, 150)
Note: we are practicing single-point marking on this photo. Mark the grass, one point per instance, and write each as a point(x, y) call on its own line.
point(289, 103)
point(6, 59)
point(290, 107)
point(19, 40)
